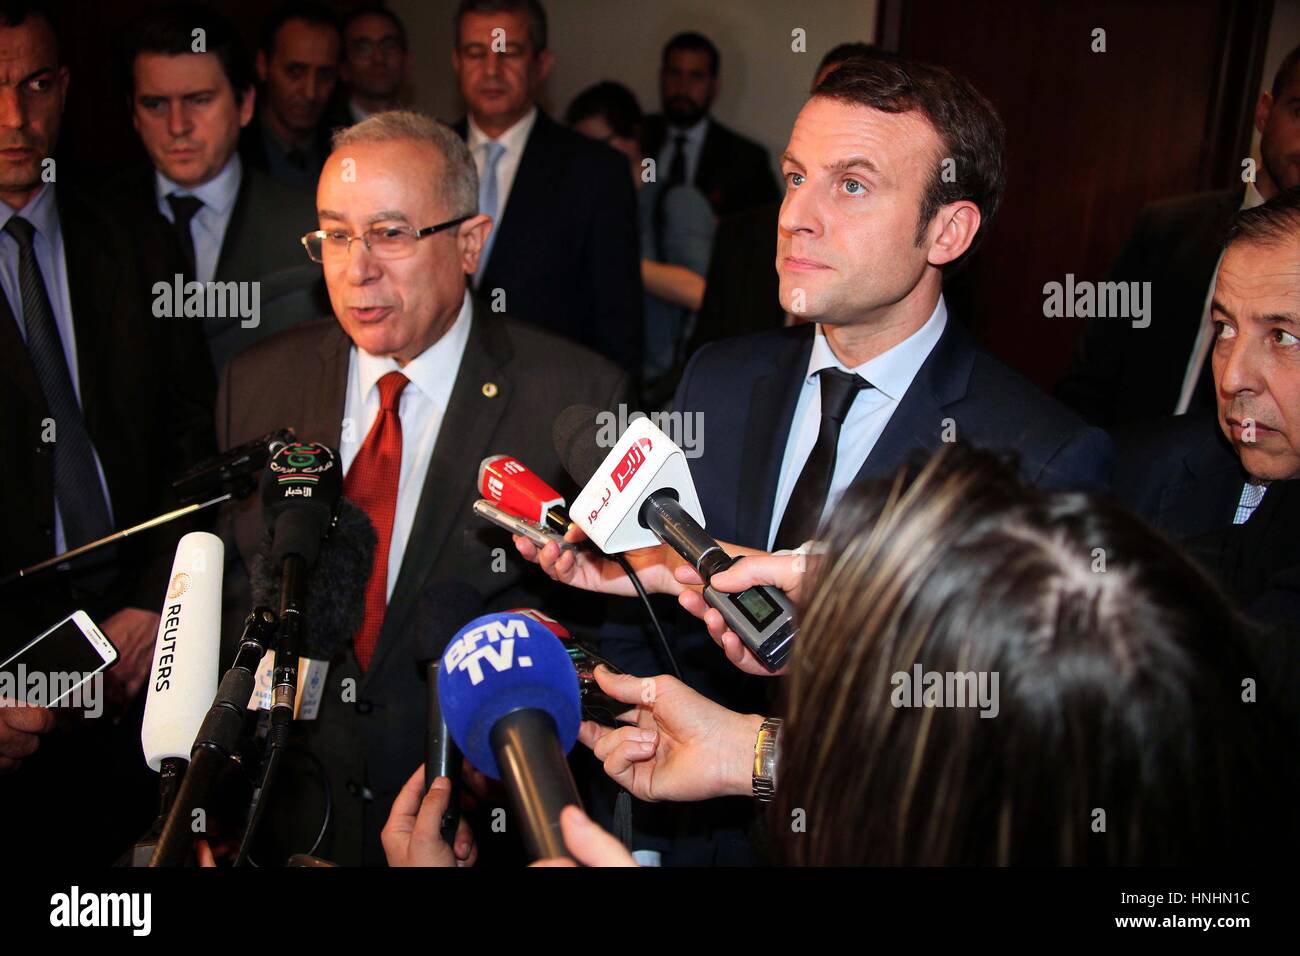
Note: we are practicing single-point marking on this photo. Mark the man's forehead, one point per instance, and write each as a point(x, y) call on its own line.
point(160, 73)
point(477, 27)
point(27, 48)
point(388, 174)
point(299, 38)
point(1253, 270)
point(829, 131)
point(371, 26)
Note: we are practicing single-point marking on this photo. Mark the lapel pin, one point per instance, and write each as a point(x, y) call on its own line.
point(490, 389)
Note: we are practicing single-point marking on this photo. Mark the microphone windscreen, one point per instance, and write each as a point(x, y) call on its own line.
point(574, 435)
point(334, 602)
point(440, 612)
point(500, 663)
point(183, 680)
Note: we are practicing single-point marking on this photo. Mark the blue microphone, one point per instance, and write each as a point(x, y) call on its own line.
point(509, 695)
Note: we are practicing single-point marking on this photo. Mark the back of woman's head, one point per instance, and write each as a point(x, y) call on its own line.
point(989, 674)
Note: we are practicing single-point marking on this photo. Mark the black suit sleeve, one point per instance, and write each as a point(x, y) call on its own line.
point(612, 258)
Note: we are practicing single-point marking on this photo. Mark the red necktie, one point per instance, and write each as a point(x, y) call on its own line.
point(371, 484)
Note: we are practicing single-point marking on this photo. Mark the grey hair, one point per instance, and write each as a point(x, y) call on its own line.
point(458, 186)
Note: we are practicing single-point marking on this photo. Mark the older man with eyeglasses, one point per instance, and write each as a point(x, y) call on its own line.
point(414, 380)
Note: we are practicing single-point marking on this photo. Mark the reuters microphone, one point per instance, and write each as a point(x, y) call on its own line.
point(640, 494)
point(509, 695)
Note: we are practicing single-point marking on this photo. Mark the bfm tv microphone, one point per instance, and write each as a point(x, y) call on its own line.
point(640, 494)
point(439, 614)
point(509, 693)
point(183, 679)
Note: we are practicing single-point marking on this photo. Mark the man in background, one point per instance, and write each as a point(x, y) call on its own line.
point(374, 61)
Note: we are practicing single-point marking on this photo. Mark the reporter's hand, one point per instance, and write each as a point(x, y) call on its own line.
point(588, 569)
point(412, 836)
point(20, 730)
point(589, 844)
point(133, 632)
point(786, 571)
point(678, 744)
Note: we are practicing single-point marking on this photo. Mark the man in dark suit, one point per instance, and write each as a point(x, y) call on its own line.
point(298, 67)
point(690, 146)
point(104, 404)
point(1122, 373)
point(415, 381)
point(232, 223)
point(565, 253)
point(1229, 489)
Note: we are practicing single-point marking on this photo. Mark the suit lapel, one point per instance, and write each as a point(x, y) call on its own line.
point(92, 291)
point(15, 360)
point(772, 402)
point(532, 182)
point(464, 439)
point(917, 422)
point(1213, 474)
point(230, 241)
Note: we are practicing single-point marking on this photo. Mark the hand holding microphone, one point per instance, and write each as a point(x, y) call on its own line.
point(412, 836)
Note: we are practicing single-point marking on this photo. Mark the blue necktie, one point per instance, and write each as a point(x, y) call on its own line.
point(487, 201)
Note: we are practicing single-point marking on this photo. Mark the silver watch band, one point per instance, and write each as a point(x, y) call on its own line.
point(765, 752)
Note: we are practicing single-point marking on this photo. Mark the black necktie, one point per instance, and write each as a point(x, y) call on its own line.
point(804, 512)
point(76, 479)
point(184, 209)
point(677, 169)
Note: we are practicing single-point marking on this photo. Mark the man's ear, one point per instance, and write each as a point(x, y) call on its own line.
point(545, 61)
point(247, 105)
point(65, 78)
point(261, 64)
point(952, 231)
point(1263, 107)
point(470, 237)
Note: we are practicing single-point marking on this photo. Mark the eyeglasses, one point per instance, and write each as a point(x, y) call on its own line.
point(366, 47)
point(383, 242)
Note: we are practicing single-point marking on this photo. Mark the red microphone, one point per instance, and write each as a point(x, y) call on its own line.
point(508, 483)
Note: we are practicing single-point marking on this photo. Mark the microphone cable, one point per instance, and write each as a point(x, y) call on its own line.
point(654, 618)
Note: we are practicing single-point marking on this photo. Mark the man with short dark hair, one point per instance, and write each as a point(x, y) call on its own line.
point(374, 60)
point(564, 253)
point(690, 146)
point(298, 67)
point(232, 222)
point(1230, 489)
point(1122, 374)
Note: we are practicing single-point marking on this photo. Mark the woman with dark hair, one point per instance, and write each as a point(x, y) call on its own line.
point(985, 674)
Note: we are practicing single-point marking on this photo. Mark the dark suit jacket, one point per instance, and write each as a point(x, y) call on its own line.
point(567, 252)
point(146, 396)
point(375, 744)
point(733, 171)
point(261, 245)
point(1122, 374)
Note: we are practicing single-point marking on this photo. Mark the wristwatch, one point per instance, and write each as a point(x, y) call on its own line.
point(765, 747)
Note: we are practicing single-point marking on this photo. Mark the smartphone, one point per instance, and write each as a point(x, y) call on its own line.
point(596, 704)
point(536, 533)
point(62, 659)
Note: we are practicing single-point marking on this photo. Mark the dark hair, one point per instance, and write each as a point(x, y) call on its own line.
point(1276, 221)
point(693, 41)
point(377, 10)
point(532, 8)
point(1118, 688)
point(1285, 72)
point(14, 13)
point(970, 131)
point(309, 11)
point(170, 31)
point(846, 51)
point(612, 102)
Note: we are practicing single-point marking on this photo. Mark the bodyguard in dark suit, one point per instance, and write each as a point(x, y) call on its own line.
point(415, 381)
point(690, 146)
point(232, 222)
point(103, 404)
point(565, 252)
point(1124, 374)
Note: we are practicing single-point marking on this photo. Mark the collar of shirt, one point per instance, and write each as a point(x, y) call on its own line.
point(694, 133)
point(42, 211)
point(512, 139)
point(1252, 197)
point(218, 193)
point(432, 372)
point(358, 112)
point(891, 372)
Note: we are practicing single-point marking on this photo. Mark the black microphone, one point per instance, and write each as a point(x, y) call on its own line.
point(441, 611)
point(641, 492)
point(230, 473)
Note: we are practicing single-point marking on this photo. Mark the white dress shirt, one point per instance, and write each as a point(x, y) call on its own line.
point(694, 146)
point(421, 408)
point(890, 373)
point(1205, 335)
point(514, 140)
point(208, 227)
